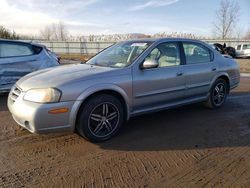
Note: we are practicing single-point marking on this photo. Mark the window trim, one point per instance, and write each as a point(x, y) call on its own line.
point(211, 54)
point(30, 46)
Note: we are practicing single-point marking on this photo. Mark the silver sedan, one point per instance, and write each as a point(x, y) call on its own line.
point(125, 80)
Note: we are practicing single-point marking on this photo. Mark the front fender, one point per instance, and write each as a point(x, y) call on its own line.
point(94, 89)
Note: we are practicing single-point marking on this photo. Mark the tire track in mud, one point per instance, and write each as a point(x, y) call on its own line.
point(146, 167)
point(124, 166)
point(194, 175)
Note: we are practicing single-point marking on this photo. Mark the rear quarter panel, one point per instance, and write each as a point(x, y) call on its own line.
point(230, 68)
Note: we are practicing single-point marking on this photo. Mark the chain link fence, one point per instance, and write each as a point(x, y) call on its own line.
point(90, 48)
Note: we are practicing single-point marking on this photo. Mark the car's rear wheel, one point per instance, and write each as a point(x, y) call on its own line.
point(100, 118)
point(218, 94)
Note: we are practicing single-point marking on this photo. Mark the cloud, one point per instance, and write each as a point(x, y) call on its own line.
point(58, 6)
point(29, 17)
point(153, 3)
point(22, 21)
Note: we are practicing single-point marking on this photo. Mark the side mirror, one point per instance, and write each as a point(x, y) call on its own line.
point(149, 63)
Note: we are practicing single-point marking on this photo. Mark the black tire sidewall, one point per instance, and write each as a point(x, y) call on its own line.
point(82, 125)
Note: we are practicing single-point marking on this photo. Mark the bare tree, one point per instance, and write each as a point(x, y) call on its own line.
point(46, 33)
point(54, 31)
point(247, 36)
point(227, 16)
point(62, 31)
point(238, 33)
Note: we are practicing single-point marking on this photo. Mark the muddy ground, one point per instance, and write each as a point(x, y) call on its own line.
point(244, 64)
point(186, 147)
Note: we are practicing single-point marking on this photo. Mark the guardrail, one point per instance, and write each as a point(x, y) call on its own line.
point(90, 48)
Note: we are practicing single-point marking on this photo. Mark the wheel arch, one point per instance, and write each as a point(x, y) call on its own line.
point(114, 90)
point(223, 76)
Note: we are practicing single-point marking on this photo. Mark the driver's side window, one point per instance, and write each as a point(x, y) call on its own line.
point(165, 54)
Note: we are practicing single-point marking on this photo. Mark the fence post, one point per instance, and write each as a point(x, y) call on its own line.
point(52, 46)
point(67, 44)
point(81, 47)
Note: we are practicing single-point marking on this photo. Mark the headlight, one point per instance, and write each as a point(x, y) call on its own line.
point(48, 95)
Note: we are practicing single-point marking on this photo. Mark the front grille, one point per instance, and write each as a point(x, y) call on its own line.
point(15, 92)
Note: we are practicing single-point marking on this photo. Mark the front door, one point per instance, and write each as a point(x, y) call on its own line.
point(158, 87)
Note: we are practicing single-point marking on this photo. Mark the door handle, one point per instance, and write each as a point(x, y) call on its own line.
point(179, 74)
point(214, 69)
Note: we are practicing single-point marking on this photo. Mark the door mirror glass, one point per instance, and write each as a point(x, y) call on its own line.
point(149, 63)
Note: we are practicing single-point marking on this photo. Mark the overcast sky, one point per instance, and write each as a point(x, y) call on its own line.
point(85, 17)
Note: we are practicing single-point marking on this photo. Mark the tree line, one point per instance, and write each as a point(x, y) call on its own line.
point(7, 34)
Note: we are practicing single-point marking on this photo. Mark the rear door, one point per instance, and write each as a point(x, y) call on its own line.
point(16, 60)
point(200, 69)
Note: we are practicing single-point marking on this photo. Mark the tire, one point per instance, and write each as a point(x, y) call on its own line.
point(101, 118)
point(218, 94)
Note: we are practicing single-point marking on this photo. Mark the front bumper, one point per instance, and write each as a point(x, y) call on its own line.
point(243, 55)
point(35, 116)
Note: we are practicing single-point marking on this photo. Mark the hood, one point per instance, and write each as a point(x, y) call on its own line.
point(56, 76)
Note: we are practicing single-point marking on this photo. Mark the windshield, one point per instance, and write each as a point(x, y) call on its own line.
point(119, 55)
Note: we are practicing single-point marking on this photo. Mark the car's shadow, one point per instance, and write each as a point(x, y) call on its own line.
point(189, 127)
point(3, 102)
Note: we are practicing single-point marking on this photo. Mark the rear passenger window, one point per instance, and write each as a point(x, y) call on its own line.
point(14, 50)
point(37, 49)
point(196, 53)
point(238, 47)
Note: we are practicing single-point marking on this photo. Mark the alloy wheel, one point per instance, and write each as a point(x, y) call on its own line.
point(103, 119)
point(219, 94)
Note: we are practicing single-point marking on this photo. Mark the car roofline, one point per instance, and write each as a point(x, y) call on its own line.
point(163, 40)
point(22, 42)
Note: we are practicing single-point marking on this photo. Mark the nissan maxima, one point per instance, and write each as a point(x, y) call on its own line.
point(125, 80)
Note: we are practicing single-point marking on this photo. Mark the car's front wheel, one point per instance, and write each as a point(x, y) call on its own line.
point(100, 118)
point(218, 94)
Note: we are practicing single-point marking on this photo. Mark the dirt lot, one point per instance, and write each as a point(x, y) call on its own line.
point(244, 65)
point(186, 147)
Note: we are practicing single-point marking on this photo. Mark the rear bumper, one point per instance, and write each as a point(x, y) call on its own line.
point(243, 55)
point(235, 81)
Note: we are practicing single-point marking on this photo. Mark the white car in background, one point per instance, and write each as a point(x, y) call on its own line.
point(243, 50)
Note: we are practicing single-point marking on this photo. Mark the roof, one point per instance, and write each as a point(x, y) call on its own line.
point(20, 42)
point(164, 39)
